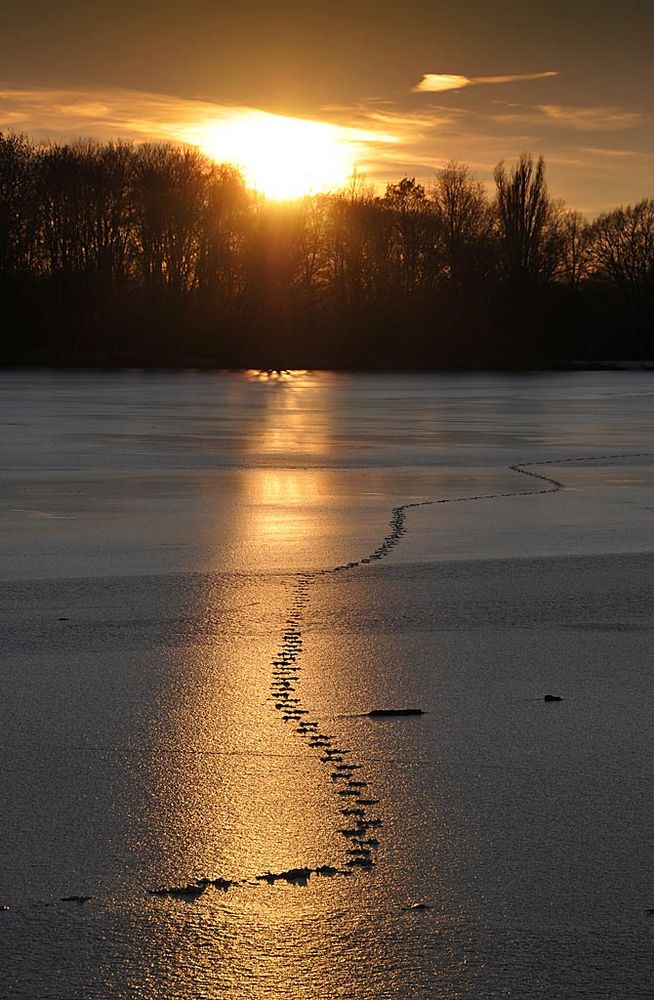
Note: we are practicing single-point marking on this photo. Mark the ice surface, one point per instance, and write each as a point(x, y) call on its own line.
point(152, 529)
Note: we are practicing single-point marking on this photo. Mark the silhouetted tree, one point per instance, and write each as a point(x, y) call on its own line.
point(575, 249)
point(528, 223)
point(224, 216)
point(622, 250)
point(351, 234)
point(16, 204)
point(169, 188)
point(412, 246)
point(464, 225)
point(60, 183)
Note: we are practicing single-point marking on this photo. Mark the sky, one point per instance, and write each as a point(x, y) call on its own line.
point(411, 85)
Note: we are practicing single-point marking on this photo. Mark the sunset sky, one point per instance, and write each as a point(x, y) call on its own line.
point(410, 86)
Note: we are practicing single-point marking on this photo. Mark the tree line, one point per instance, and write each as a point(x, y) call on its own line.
point(154, 254)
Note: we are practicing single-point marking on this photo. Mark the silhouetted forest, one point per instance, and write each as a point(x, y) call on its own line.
point(155, 255)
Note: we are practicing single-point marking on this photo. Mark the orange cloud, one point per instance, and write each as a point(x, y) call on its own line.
point(434, 83)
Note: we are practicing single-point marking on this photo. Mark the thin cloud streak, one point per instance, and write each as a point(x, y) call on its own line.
point(603, 151)
point(592, 119)
point(579, 119)
point(515, 78)
point(434, 83)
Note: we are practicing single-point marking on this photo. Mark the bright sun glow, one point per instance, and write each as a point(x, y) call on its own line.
point(282, 157)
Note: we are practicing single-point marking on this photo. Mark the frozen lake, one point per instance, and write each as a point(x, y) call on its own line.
point(185, 677)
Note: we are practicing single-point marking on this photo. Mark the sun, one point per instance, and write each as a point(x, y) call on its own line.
point(281, 157)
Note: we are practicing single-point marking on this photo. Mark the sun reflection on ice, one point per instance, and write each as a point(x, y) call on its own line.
point(286, 503)
point(297, 420)
point(275, 374)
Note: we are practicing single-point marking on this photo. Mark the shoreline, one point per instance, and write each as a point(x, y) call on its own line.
point(99, 362)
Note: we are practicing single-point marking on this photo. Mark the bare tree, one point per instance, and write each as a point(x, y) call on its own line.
point(169, 190)
point(110, 210)
point(225, 213)
point(17, 227)
point(622, 250)
point(528, 222)
point(60, 192)
point(412, 238)
point(312, 278)
point(575, 255)
point(464, 226)
point(355, 244)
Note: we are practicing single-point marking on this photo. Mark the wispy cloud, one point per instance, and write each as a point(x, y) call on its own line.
point(426, 120)
point(48, 113)
point(591, 119)
point(59, 114)
point(434, 83)
point(428, 138)
point(602, 151)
